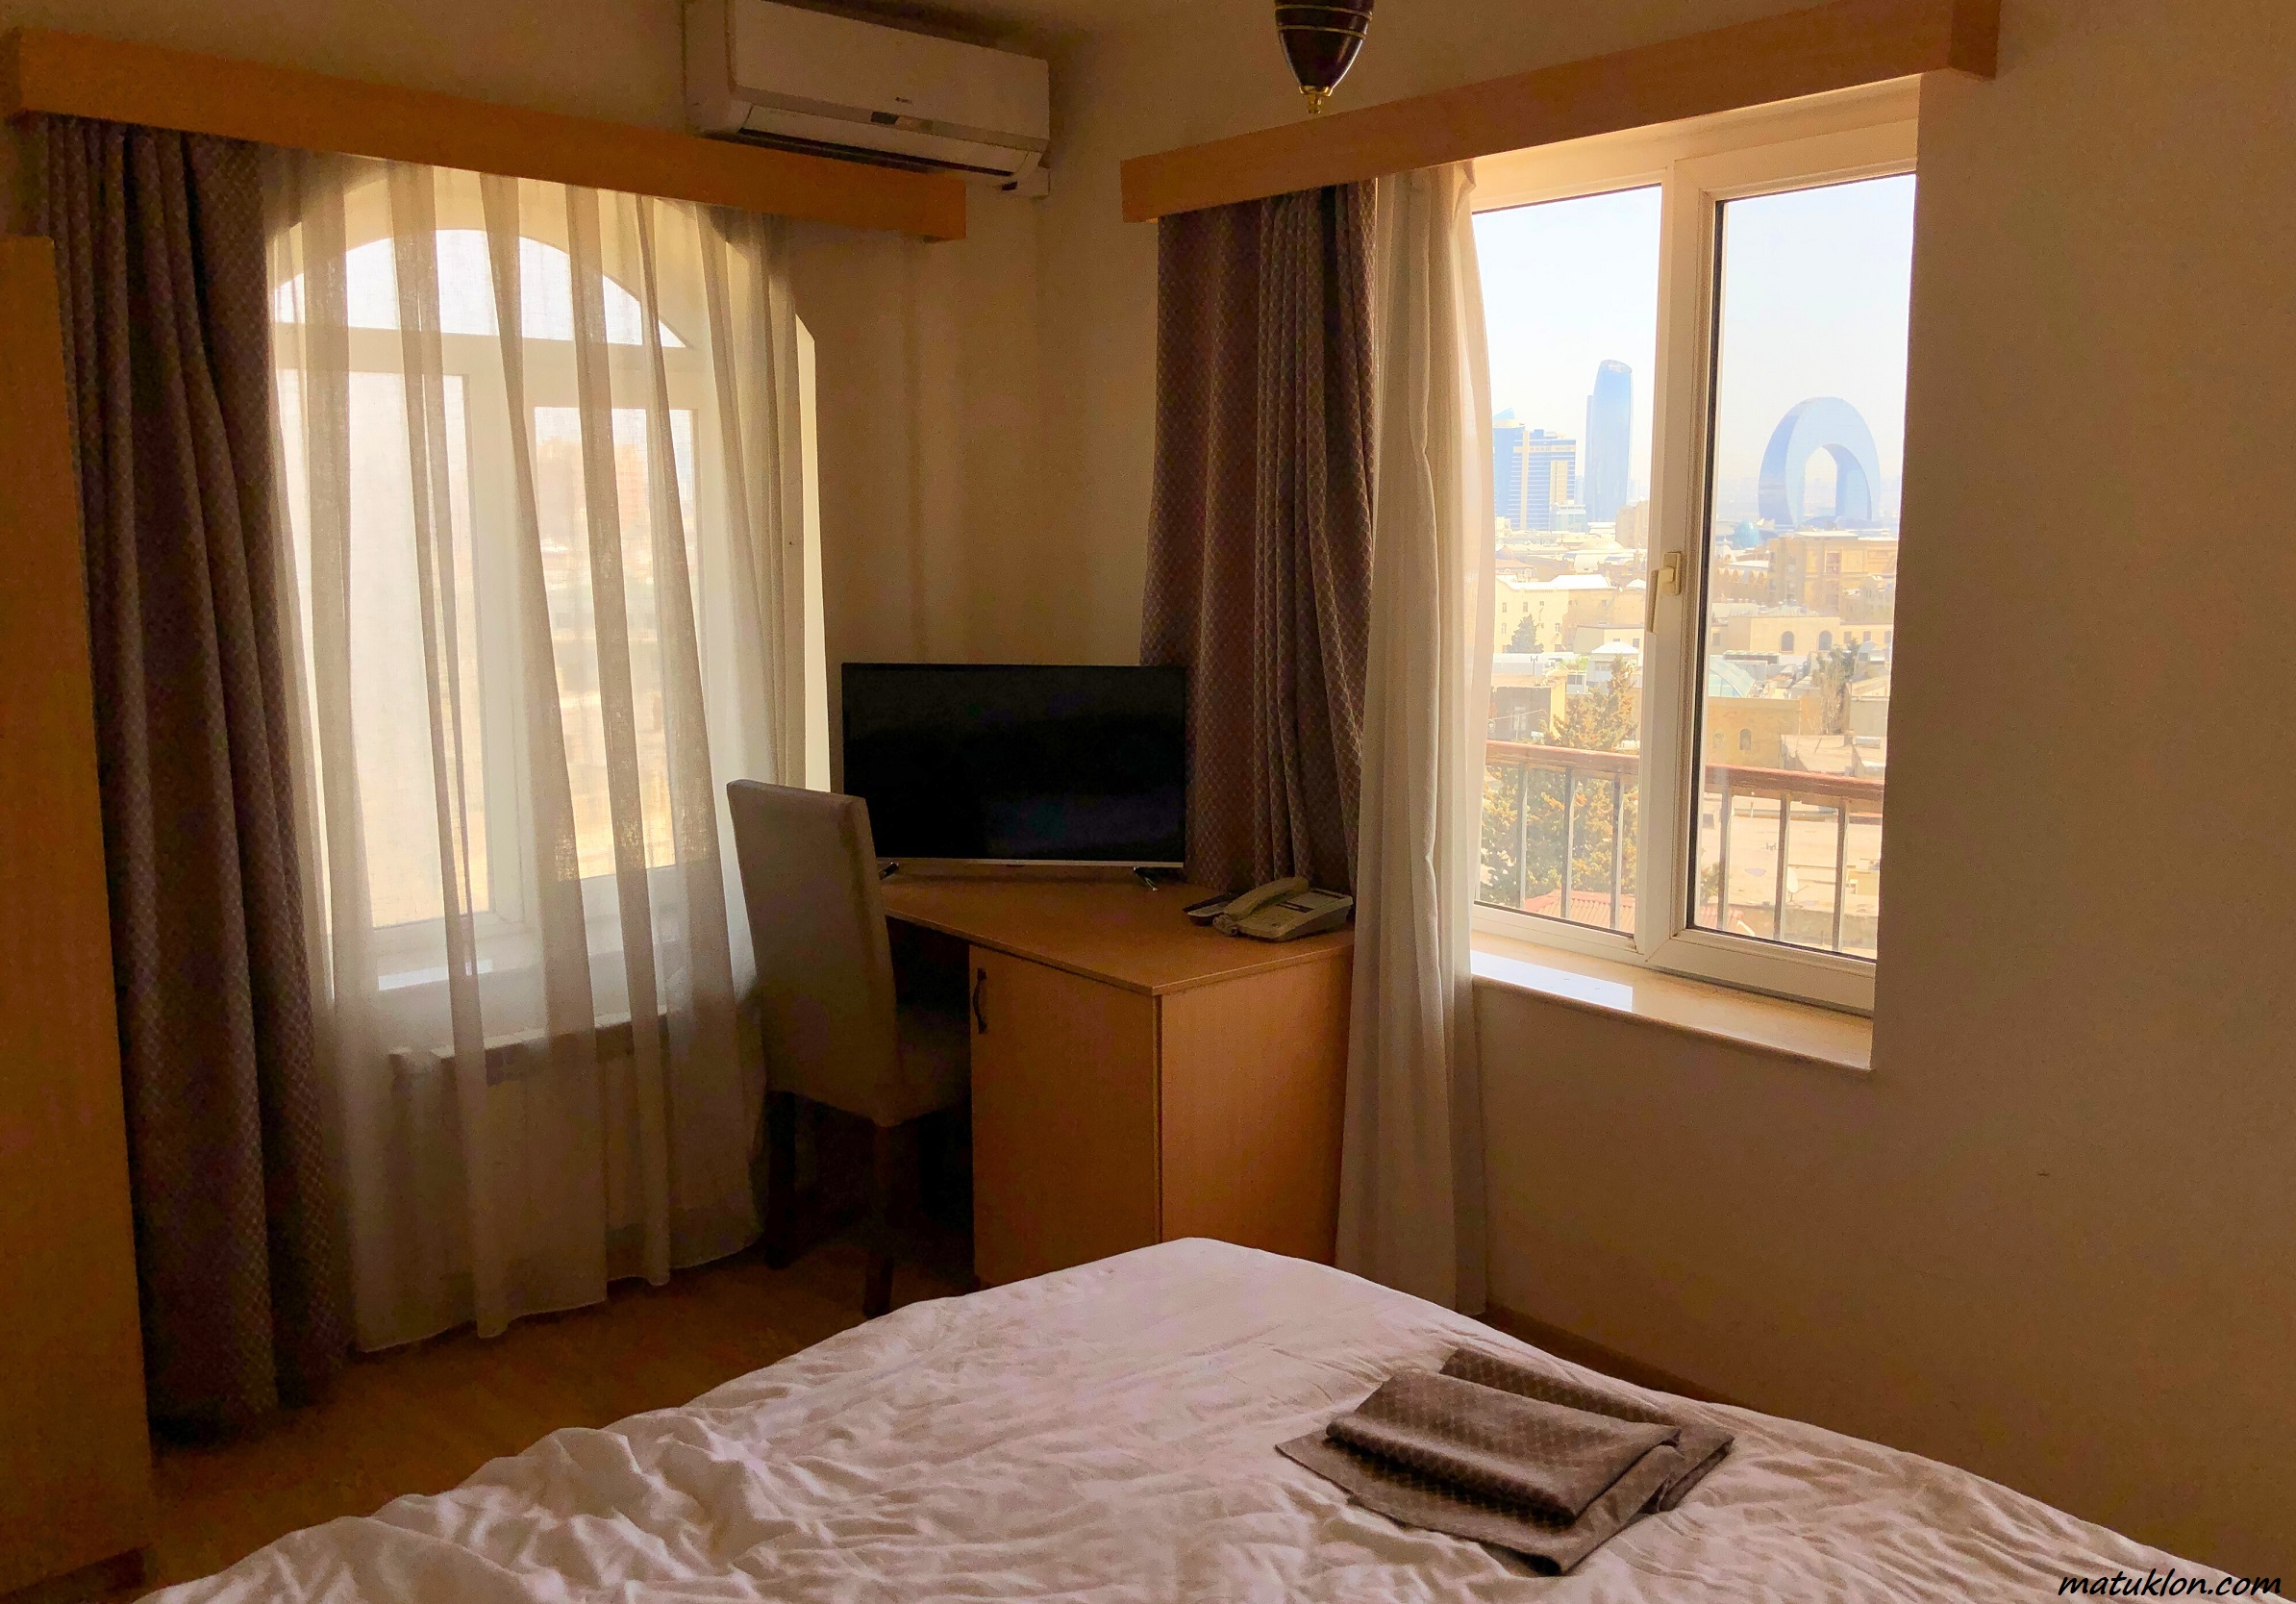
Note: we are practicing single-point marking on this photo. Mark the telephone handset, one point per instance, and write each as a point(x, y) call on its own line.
point(1260, 896)
point(1280, 911)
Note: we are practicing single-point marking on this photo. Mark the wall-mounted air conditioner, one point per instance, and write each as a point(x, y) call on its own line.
point(805, 80)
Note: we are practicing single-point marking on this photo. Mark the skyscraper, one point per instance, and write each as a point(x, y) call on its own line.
point(1534, 473)
point(1609, 432)
point(1550, 478)
point(1506, 469)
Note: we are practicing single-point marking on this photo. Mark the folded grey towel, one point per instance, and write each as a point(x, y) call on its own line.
point(1546, 1457)
point(1702, 1447)
point(1491, 1450)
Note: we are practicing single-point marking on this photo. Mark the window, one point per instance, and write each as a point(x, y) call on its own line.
point(400, 834)
point(1697, 360)
point(1577, 345)
point(551, 665)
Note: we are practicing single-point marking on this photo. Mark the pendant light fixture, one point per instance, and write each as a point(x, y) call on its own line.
point(1322, 40)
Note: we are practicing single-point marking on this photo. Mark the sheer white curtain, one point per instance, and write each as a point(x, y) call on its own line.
point(1410, 1190)
point(540, 448)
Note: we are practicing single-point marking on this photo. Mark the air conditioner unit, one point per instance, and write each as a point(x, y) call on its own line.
point(805, 80)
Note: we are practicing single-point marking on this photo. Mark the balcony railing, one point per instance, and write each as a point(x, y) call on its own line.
point(1594, 785)
point(1510, 763)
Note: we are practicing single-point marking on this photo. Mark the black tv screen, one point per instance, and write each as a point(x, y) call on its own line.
point(1020, 764)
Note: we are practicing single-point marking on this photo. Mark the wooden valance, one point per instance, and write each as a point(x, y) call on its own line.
point(1837, 46)
point(75, 75)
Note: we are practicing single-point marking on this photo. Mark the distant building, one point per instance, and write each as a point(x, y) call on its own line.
point(1821, 571)
point(1593, 640)
point(1545, 614)
point(1534, 474)
point(1869, 707)
point(1823, 423)
point(1610, 435)
point(1625, 650)
point(1528, 694)
point(1506, 469)
point(1779, 632)
point(1752, 731)
point(1741, 579)
point(1633, 528)
point(1532, 610)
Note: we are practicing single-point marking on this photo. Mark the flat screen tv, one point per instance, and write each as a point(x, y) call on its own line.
point(1021, 765)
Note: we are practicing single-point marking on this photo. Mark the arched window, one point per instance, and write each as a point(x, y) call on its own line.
point(1785, 641)
point(580, 351)
point(1825, 639)
point(1745, 740)
point(466, 293)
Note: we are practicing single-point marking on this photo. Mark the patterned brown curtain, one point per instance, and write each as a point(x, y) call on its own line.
point(1260, 544)
point(160, 254)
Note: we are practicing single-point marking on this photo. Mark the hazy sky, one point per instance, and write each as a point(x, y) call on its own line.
point(1814, 292)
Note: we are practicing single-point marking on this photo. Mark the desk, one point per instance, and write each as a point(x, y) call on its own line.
point(1137, 1078)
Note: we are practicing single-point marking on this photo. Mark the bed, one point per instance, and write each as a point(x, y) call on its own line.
point(1108, 1434)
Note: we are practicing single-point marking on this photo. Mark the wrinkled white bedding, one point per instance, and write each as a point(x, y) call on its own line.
point(1109, 1434)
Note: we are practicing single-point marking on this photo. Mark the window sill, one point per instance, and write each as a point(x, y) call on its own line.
point(1789, 1030)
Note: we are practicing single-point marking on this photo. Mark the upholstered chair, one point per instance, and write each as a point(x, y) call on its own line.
point(834, 1029)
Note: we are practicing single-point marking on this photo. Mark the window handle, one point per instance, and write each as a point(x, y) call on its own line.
point(1666, 576)
point(980, 1014)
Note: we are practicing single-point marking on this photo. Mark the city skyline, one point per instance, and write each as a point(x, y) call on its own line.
point(1566, 287)
point(1818, 282)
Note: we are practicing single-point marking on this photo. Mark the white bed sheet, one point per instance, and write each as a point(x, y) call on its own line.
point(1109, 1434)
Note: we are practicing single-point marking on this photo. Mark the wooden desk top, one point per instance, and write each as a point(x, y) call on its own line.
point(1104, 930)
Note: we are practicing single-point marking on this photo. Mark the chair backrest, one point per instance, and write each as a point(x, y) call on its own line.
point(825, 969)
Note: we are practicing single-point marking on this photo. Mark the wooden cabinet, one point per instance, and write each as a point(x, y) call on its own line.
point(1137, 1078)
point(1254, 1083)
point(1064, 1118)
point(75, 1461)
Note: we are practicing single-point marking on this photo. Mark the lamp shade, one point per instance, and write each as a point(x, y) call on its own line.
point(1322, 41)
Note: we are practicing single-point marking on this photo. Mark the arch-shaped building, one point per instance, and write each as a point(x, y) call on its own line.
point(1822, 423)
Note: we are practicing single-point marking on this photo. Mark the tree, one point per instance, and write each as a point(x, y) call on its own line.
point(1525, 638)
point(1602, 719)
point(1530, 808)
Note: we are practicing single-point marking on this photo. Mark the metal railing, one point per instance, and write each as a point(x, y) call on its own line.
point(1845, 796)
point(1622, 769)
point(1815, 797)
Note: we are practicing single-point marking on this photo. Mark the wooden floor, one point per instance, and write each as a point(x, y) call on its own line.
point(423, 1418)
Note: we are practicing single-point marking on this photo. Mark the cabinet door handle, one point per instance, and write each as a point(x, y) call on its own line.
point(979, 988)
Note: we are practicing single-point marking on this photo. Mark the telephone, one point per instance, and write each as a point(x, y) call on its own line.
point(1280, 911)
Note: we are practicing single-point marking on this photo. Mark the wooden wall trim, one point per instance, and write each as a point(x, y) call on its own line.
point(1837, 46)
point(76, 75)
point(75, 1460)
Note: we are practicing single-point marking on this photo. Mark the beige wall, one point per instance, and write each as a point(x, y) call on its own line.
point(930, 483)
point(2052, 1237)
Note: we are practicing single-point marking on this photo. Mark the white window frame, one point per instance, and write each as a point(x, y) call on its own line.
point(404, 952)
point(1697, 167)
point(550, 383)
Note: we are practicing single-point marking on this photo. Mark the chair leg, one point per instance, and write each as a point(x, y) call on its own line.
point(877, 1296)
point(780, 1179)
